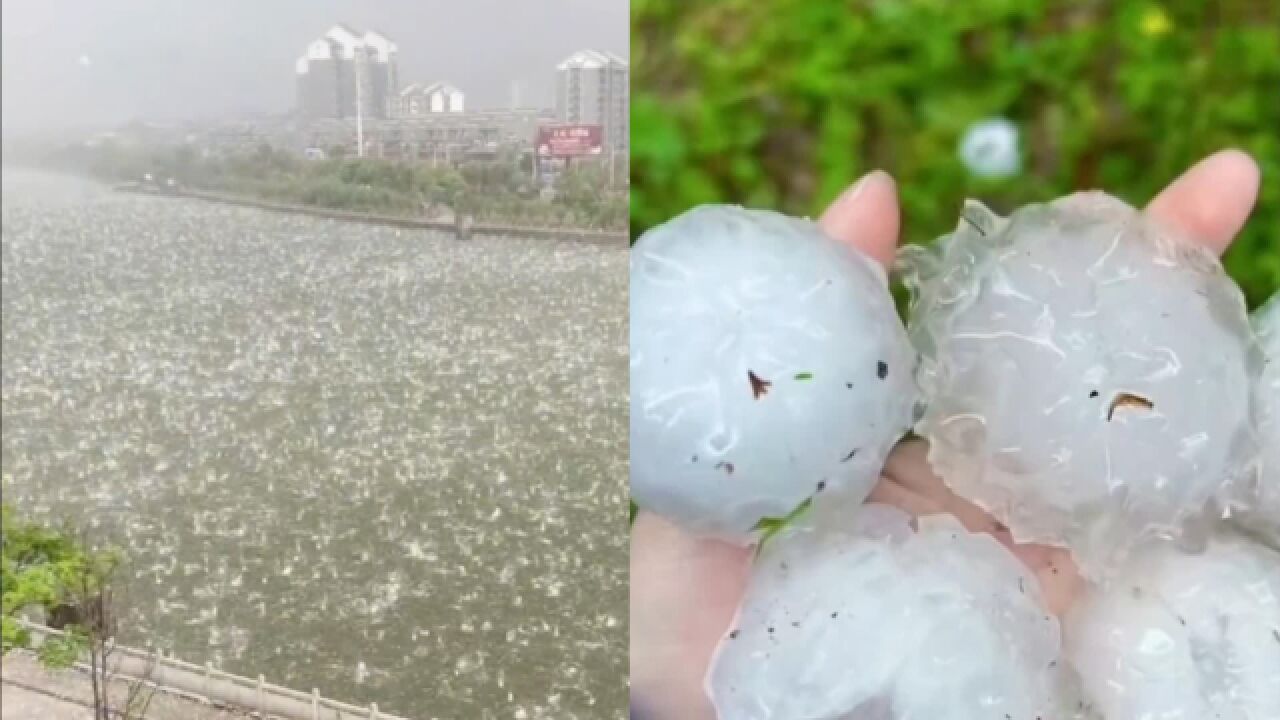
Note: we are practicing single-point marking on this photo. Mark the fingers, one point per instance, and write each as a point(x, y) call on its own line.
point(684, 593)
point(1053, 567)
point(867, 217)
point(908, 466)
point(1059, 578)
point(913, 503)
point(1211, 201)
point(1061, 584)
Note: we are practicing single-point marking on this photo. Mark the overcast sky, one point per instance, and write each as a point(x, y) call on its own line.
point(93, 62)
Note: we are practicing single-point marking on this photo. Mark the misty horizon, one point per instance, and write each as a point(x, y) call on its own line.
point(77, 63)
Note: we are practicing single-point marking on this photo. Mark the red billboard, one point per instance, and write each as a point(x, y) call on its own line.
point(565, 141)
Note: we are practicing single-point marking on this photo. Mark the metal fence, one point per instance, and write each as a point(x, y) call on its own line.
point(217, 687)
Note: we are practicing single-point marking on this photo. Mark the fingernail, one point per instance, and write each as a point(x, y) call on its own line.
point(852, 193)
point(838, 213)
point(846, 202)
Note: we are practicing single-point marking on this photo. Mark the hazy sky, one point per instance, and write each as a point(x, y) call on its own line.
point(89, 62)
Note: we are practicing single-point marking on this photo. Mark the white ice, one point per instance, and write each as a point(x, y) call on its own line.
point(1262, 504)
point(1184, 636)
point(1087, 375)
point(851, 615)
point(768, 363)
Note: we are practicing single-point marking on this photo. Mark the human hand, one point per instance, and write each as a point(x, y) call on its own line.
point(685, 590)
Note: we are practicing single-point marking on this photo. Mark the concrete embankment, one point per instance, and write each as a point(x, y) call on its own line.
point(594, 236)
point(183, 691)
point(31, 692)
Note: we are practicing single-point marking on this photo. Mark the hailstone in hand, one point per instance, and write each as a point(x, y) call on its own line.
point(1087, 375)
point(768, 363)
point(1262, 505)
point(852, 615)
point(1184, 636)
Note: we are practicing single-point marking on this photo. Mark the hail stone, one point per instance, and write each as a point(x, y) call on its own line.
point(768, 364)
point(1086, 374)
point(1184, 635)
point(852, 615)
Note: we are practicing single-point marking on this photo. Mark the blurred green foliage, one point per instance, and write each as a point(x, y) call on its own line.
point(783, 103)
point(43, 567)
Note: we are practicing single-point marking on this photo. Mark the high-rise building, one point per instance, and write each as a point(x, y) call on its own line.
point(593, 88)
point(381, 72)
point(344, 67)
point(317, 77)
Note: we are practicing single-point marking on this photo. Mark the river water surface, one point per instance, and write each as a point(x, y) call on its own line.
point(375, 461)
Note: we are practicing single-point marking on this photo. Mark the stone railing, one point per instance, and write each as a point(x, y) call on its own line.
point(216, 687)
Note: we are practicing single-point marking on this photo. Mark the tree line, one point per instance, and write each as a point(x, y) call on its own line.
point(497, 190)
point(61, 576)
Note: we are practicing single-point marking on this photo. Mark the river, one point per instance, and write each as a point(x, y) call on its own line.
point(375, 461)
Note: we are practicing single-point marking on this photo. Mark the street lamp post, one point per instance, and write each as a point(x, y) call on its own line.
point(359, 107)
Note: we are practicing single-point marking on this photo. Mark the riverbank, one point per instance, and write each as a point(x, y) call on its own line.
point(593, 236)
point(496, 193)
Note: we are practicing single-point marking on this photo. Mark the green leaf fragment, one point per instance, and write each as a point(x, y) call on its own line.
point(768, 527)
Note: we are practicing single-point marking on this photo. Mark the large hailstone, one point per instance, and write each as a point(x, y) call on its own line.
point(858, 617)
point(1183, 637)
point(1087, 375)
point(767, 363)
point(1262, 512)
point(851, 615)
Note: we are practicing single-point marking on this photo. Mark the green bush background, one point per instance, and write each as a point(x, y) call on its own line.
point(782, 103)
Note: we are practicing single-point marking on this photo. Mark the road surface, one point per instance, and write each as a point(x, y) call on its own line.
point(32, 693)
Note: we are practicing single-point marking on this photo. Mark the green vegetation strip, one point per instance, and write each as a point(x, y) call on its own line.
point(497, 192)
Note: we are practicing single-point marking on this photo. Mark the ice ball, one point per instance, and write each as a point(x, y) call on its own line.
point(1087, 374)
point(768, 363)
point(1262, 503)
point(1184, 635)
point(989, 148)
point(852, 615)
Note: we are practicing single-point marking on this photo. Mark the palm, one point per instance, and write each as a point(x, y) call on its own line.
point(685, 590)
point(909, 483)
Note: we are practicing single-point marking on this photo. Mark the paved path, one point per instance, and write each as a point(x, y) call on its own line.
point(31, 692)
point(18, 703)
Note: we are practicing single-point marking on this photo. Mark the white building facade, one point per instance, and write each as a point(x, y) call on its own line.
point(437, 98)
point(343, 68)
point(593, 88)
